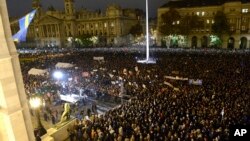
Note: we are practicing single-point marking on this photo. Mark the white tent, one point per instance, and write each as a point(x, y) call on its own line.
point(64, 65)
point(35, 71)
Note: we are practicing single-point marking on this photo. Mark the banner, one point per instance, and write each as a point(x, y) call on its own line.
point(195, 82)
point(176, 78)
point(98, 58)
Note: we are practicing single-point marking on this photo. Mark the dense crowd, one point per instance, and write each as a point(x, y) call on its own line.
point(156, 111)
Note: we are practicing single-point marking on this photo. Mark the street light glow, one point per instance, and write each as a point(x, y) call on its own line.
point(35, 102)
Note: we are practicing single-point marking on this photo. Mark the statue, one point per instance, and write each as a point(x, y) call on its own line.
point(65, 116)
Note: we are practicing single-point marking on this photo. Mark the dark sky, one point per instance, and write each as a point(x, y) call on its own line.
point(20, 7)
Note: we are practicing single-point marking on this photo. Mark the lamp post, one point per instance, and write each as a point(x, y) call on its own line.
point(35, 103)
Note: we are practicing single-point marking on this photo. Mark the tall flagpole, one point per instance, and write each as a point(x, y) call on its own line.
point(147, 36)
point(148, 60)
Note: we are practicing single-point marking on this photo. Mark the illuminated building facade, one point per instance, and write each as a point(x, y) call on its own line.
point(56, 28)
point(237, 13)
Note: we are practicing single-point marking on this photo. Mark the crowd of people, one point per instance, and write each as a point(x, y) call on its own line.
point(160, 108)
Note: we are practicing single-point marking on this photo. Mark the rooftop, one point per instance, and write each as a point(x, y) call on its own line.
point(197, 3)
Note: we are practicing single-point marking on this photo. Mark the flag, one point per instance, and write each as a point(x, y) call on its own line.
point(24, 23)
point(20, 35)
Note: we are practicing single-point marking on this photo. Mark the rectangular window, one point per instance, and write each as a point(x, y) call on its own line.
point(202, 13)
point(208, 21)
point(245, 10)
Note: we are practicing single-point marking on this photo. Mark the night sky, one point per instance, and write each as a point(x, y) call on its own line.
point(20, 7)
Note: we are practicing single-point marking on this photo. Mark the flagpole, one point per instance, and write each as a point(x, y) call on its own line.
point(147, 60)
point(147, 36)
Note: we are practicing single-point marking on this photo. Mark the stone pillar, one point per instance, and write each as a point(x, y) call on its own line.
point(47, 30)
point(225, 42)
point(199, 41)
point(15, 118)
point(237, 42)
point(57, 31)
point(41, 31)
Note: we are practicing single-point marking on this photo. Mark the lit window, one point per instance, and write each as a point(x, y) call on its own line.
point(96, 25)
point(173, 23)
point(197, 13)
point(105, 24)
point(208, 21)
point(177, 22)
point(112, 24)
point(202, 13)
point(245, 10)
point(212, 21)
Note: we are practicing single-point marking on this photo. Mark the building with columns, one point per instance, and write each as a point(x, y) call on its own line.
point(55, 28)
point(237, 13)
point(15, 120)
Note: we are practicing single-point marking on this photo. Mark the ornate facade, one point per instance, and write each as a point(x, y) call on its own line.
point(236, 11)
point(54, 28)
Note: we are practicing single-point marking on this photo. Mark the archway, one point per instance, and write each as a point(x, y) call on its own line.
point(194, 42)
point(230, 43)
point(243, 43)
point(204, 42)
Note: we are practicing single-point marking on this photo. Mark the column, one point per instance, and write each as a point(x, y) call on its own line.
point(15, 119)
point(57, 31)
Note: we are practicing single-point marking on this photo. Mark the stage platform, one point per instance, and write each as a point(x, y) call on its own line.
point(72, 98)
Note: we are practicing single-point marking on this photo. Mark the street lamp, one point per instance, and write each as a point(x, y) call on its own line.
point(35, 103)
